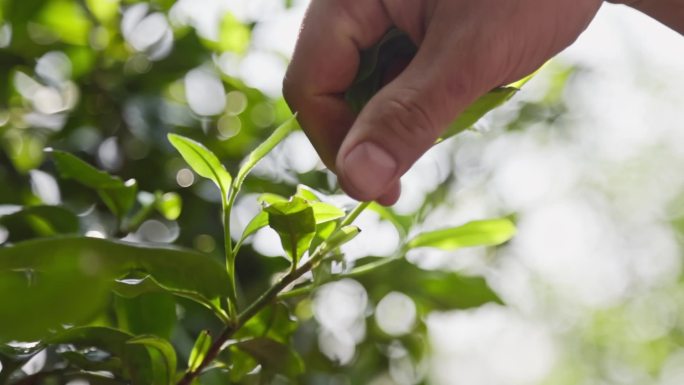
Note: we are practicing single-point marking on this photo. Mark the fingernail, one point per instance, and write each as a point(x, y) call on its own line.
point(369, 169)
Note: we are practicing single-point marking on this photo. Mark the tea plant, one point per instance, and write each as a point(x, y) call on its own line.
point(104, 307)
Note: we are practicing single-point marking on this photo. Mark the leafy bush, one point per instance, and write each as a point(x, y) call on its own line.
point(82, 287)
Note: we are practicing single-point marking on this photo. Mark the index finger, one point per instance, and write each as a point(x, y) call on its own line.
point(324, 65)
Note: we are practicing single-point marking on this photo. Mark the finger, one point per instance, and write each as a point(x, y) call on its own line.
point(324, 65)
point(391, 196)
point(406, 117)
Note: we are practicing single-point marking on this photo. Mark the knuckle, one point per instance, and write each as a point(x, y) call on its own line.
point(408, 118)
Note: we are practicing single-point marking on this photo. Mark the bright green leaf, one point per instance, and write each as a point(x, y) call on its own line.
point(431, 289)
point(478, 109)
point(199, 350)
point(264, 148)
point(203, 161)
point(325, 212)
point(71, 167)
point(340, 237)
point(270, 198)
point(169, 205)
point(306, 192)
point(490, 232)
point(234, 36)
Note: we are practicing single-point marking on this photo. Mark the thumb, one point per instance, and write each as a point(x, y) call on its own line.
point(401, 122)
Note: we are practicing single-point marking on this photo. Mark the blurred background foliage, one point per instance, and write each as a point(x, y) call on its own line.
point(592, 283)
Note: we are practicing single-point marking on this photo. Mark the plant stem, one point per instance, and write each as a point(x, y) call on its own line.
point(231, 306)
point(265, 299)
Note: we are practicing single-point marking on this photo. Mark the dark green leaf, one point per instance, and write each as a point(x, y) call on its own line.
point(163, 361)
point(39, 221)
point(295, 224)
point(274, 356)
point(374, 65)
point(199, 350)
point(203, 161)
point(39, 274)
point(119, 196)
point(490, 232)
point(431, 289)
point(264, 148)
point(135, 359)
point(133, 287)
point(273, 322)
point(150, 313)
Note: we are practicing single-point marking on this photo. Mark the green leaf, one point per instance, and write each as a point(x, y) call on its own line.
point(233, 35)
point(135, 359)
point(203, 161)
point(163, 364)
point(169, 205)
point(273, 322)
point(258, 222)
point(274, 356)
point(131, 288)
point(431, 289)
point(270, 198)
point(264, 148)
point(149, 313)
point(39, 274)
point(199, 350)
point(374, 64)
point(340, 237)
point(71, 167)
point(401, 222)
point(325, 212)
point(295, 224)
point(480, 108)
point(307, 193)
point(39, 221)
point(118, 196)
point(490, 232)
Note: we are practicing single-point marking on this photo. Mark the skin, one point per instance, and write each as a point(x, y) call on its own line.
point(466, 48)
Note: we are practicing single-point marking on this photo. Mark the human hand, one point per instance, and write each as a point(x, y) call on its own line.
point(465, 48)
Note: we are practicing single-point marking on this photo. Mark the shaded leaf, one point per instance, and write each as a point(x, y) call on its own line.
point(37, 274)
point(118, 196)
point(133, 287)
point(273, 322)
point(163, 361)
point(149, 313)
point(39, 221)
point(273, 356)
point(491, 232)
point(295, 224)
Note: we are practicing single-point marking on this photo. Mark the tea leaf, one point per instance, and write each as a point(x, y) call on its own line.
point(164, 364)
point(202, 161)
point(491, 232)
point(199, 350)
point(264, 148)
point(295, 223)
